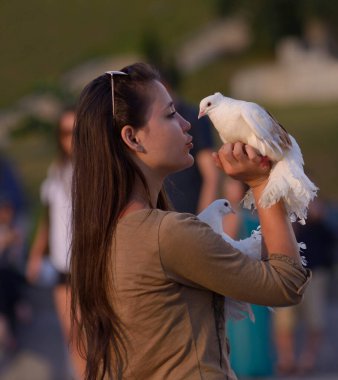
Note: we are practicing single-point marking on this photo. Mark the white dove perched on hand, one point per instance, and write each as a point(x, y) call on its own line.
point(237, 120)
point(213, 216)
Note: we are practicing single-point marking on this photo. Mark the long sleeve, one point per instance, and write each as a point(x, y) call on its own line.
point(193, 255)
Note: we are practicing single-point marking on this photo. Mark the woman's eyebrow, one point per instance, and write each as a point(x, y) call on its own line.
point(169, 105)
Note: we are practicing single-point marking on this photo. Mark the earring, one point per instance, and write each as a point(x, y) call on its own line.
point(140, 149)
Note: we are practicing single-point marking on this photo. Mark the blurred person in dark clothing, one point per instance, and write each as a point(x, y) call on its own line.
point(193, 189)
point(317, 237)
point(319, 241)
point(11, 281)
point(12, 249)
point(10, 238)
point(11, 187)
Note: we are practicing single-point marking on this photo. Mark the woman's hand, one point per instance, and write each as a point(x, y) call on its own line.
point(244, 163)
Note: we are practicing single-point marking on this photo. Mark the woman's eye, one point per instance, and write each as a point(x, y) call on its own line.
point(172, 114)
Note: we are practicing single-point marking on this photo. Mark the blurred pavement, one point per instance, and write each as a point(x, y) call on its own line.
point(41, 351)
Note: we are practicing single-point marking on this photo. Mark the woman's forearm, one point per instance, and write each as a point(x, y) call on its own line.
point(276, 228)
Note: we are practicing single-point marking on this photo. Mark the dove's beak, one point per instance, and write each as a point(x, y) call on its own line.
point(201, 114)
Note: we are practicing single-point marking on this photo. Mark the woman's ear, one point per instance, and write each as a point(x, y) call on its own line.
point(130, 137)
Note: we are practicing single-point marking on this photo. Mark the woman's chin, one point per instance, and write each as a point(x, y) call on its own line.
point(187, 164)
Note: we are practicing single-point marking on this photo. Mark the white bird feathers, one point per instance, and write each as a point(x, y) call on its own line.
point(213, 216)
point(250, 246)
point(237, 120)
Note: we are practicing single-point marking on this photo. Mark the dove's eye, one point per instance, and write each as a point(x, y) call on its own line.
point(208, 104)
point(226, 204)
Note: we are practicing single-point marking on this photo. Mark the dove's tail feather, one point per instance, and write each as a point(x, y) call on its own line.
point(288, 181)
point(251, 246)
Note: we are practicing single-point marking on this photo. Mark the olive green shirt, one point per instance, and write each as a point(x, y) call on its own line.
point(169, 270)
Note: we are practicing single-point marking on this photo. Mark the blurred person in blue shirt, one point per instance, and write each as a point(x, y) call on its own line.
point(12, 250)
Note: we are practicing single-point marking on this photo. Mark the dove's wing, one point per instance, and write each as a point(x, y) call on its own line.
point(269, 132)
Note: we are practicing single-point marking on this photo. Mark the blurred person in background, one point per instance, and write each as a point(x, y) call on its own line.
point(250, 341)
point(53, 231)
point(13, 230)
point(11, 188)
point(310, 315)
point(194, 188)
point(11, 281)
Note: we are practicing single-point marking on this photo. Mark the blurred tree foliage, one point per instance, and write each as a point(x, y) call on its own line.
point(32, 124)
point(271, 20)
point(151, 47)
point(155, 53)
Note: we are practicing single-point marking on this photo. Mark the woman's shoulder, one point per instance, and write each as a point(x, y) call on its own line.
point(181, 226)
point(157, 217)
point(177, 218)
point(173, 220)
point(154, 224)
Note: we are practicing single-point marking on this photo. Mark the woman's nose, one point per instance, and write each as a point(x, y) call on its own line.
point(185, 124)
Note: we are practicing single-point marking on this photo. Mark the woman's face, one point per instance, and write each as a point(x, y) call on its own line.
point(66, 132)
point(165, 137)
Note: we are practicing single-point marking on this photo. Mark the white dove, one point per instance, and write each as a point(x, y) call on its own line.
point(213, 216)
point(237, 120)
point(251, 246)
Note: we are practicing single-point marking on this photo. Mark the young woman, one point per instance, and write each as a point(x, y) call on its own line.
point(148, 283)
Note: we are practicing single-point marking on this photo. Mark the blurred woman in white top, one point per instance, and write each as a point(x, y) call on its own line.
point(53, 231)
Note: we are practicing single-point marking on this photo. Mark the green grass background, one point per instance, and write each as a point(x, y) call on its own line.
point(42, 39)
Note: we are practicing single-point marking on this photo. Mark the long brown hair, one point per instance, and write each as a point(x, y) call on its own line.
point(103, 180)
